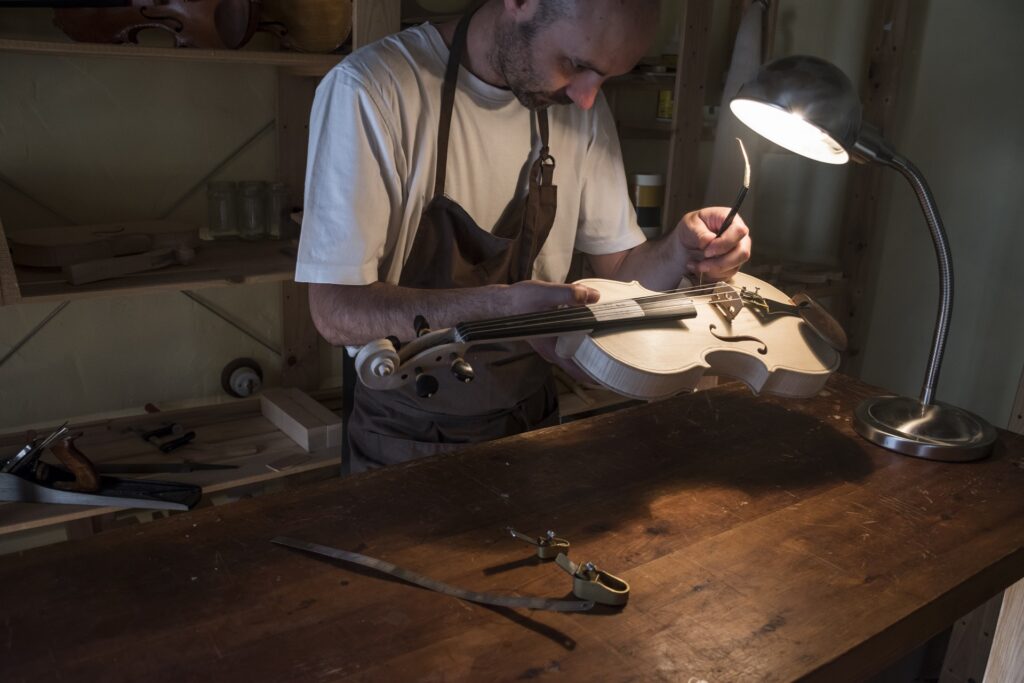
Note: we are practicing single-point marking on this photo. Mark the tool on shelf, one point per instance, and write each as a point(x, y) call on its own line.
point(24, 479)
point(170, 429)
point(548, 545)
point(159, 467)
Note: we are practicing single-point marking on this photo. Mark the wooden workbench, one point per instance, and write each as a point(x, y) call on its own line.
point(763, 541)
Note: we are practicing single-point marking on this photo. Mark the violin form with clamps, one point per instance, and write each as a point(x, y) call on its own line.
point(643, 344)
point(214, 24)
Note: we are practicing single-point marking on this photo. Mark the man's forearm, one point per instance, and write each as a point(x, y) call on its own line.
point(352, 315)
point(658, 265)
point(356, 314)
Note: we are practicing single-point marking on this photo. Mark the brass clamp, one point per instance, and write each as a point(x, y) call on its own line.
point(548, 545)
point(591, 583)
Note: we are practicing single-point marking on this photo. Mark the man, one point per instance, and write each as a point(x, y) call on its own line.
point(417, 145)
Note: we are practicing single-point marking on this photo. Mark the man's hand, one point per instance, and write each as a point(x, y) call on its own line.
point(716, 256)
point(529, 296)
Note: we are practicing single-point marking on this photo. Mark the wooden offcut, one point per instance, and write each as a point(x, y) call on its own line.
point(302, 418)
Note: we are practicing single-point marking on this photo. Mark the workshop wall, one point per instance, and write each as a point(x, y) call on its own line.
point(957, 121)
point(93, 140)
point(960, 126)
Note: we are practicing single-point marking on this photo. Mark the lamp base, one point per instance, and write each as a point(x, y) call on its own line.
point(936, 432)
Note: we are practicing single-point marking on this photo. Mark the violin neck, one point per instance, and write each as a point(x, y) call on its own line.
point(592, 318)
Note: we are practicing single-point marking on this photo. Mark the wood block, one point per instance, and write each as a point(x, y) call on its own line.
point(312, 427)
point(327, 417)
point(117, 266)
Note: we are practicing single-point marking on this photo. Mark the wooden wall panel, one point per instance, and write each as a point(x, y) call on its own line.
point(887, 33)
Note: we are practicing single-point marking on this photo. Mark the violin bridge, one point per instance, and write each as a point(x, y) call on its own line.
point(727, 300)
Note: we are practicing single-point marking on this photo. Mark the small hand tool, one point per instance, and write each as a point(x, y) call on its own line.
point(168, 446)
point(170, 429)
point(548, 545)
point(438, 586)
point(591, 583)
point(24, 480)
point(736, 204)
point(157, 467)
point(154, 436)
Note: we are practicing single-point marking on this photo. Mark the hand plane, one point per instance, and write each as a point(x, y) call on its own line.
point(24, 479)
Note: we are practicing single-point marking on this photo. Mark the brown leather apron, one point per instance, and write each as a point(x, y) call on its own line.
point(513, 390)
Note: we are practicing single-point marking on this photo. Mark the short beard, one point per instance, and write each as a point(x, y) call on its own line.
point(511, 57)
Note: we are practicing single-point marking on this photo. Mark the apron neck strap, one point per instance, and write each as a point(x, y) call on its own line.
point(451, 79)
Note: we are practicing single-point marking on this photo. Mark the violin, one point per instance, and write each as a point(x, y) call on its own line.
point(213, 24)
point(643, 344)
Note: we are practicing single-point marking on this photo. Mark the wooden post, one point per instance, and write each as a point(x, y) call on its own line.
point(299, 338)
point(685, 190)
point(1006, 662)
point(1016, 423)
point(374, 19)
point(970, 643)
point(9, 292)
point(887, 32)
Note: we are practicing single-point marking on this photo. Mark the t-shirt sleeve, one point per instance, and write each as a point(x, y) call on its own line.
point(607, 218)
point(352, 188)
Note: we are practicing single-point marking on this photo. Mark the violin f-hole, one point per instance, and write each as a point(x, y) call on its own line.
point(764, 347)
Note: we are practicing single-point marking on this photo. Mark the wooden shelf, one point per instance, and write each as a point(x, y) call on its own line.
point(644, 80)
point(216, 264)
point(233, 433)
point(655, 129)
point(311, 64)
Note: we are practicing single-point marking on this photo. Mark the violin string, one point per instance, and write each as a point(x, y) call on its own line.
point(653, 303)
point(657, 303)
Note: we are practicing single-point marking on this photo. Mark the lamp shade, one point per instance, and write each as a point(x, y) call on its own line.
point(804, 104)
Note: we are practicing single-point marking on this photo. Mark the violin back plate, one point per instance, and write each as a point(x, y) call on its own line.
point(779, 355)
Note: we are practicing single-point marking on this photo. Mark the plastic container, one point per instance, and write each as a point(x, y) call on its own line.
point(647, 191)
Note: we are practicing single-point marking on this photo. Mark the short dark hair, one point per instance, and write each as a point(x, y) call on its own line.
point(553, 10)
point(549, 11)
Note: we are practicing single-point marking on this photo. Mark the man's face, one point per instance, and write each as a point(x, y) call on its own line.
point(567, 60)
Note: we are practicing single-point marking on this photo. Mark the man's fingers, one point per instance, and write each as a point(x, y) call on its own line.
point(581, 294)
point(727, 241)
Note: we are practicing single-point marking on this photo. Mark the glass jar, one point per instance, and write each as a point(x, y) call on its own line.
point(252, 209)
point(277, 211)
point(222, 211)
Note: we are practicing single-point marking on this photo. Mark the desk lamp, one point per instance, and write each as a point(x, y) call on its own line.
point(810, 107)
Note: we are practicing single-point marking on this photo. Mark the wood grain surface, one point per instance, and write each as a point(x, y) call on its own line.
point(763, 541)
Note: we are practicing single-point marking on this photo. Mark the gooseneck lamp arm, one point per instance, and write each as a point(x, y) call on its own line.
point(810, 107)
point(945, 259)
point(871, 147)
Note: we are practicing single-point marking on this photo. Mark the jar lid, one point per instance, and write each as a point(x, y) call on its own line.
point(649, 179)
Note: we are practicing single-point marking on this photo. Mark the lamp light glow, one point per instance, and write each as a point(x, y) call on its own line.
point(789, 130)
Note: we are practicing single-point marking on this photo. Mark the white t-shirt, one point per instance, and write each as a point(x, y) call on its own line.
point(372, 156)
